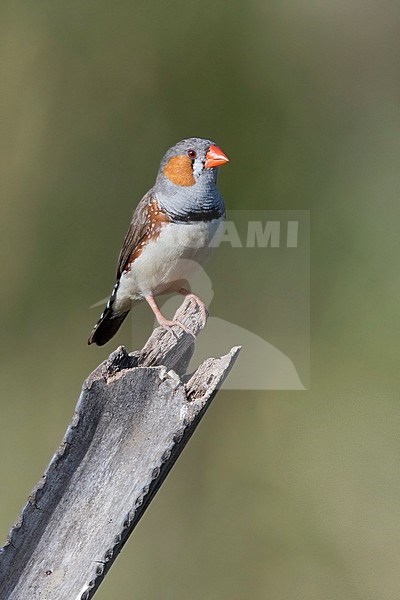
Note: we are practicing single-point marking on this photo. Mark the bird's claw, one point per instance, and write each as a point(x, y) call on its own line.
point(167, 324)
point(198, 302)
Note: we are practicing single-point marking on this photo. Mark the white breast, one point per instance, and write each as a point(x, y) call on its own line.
point(178, 251)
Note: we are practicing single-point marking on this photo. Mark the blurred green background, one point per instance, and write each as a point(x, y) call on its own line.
point(281, 495)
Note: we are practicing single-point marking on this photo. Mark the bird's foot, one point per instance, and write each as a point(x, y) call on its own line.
point(161, 320)
point(167, 324)
point(196, 300)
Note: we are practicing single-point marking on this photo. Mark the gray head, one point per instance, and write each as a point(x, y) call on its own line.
point(185, 184)
point(191, 161)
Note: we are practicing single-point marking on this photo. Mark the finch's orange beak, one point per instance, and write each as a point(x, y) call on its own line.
point(215, 157)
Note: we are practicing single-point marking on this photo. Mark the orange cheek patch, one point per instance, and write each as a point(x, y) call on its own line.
point(179, 170)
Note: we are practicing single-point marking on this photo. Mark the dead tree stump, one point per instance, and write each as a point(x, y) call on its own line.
point(134, 416)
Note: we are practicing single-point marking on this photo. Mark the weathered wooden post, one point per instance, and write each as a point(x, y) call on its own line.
point(135, 414)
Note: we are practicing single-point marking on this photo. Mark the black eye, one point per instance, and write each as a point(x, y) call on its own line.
point(192, 154)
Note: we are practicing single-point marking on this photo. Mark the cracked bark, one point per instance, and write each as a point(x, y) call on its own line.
point(134, 416)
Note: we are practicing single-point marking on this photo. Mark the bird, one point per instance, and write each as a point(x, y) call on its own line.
point(170, 233)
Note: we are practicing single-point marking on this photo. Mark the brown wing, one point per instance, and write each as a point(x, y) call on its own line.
point(147, 222)
point(136, 232)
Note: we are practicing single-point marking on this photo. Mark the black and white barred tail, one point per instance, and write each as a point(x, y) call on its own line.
point(109, 322)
